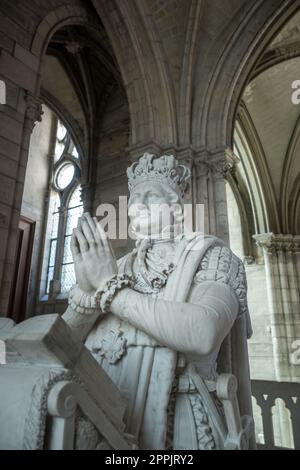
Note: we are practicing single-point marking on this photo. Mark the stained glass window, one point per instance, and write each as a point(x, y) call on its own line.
point(61, 140)
point(65, 175)
point(75, 210)
point(53, 225)
point(64, 210)
point(73, 151)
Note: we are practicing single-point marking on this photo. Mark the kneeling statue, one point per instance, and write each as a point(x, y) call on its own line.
point(168, 322)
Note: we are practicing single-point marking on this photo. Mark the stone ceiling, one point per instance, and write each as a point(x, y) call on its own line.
point(268, 100)
point(79, 75)
point(274, 119)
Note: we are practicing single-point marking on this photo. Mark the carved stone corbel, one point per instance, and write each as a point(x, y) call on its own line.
point(224, 164)
point(33, 111)
point(219, 164)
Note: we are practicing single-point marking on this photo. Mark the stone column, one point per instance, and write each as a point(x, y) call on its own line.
point(209, 172)
point(282, 261)
point(55, 284)
point(30, 108)
point(282, 256)
point(87, 196)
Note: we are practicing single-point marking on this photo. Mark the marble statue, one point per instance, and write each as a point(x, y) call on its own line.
point(168, 322)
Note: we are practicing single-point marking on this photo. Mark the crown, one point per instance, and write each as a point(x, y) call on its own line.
point(164, 169)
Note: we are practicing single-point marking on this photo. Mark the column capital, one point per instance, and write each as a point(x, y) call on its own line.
point(137, 150)
point(221, 162)
point(272, 243)
point(185, 152)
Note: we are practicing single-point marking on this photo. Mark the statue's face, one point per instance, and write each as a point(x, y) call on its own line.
point(151, 208)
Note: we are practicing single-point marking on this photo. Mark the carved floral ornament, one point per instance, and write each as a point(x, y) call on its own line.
point(112, 346)
point(275, 243)
point(34, 110)
point(220, 164)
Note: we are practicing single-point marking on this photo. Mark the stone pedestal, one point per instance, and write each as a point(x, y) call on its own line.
point(53, 393)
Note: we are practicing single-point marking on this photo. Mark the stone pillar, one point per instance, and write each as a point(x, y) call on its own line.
point(209, 172)
point(28, 113)
point(282, 261)
point(55, 284)
point(87, 196)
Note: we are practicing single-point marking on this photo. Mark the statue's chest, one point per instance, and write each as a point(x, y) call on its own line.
point(150, 267)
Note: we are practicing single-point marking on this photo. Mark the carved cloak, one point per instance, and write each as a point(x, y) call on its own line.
point(146, 375)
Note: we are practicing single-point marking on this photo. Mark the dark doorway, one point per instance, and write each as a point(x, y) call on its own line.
point(18, 298)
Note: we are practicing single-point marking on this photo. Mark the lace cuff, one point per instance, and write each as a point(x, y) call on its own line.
point(105, 295)
point(81, 302)
point(86, 304)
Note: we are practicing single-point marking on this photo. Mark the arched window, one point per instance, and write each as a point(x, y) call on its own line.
point(65, 208)
point(74, 211)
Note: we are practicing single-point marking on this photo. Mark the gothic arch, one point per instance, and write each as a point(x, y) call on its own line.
point(57, 19)
point(289, 187)
point(71, 16)
point(64, 115)
point(146, 80)
point(276, 56)
point(294, 208)
point(214, 113)
point(242, 199)
point(187, 73)
point(54, 21)
point(157, 69)
point(259, 183)
point(133, 75)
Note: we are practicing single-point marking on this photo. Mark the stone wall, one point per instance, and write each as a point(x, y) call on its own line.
point(260, 345)
point(34, 198)
point(112, 160)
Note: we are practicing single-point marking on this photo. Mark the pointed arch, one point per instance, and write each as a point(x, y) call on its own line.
point(235, 55)
point(256, 170)
point(289, 186)
point(188, 70)
point(293, 207)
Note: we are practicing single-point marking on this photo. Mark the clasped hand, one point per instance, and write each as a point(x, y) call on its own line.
point(94, 259)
